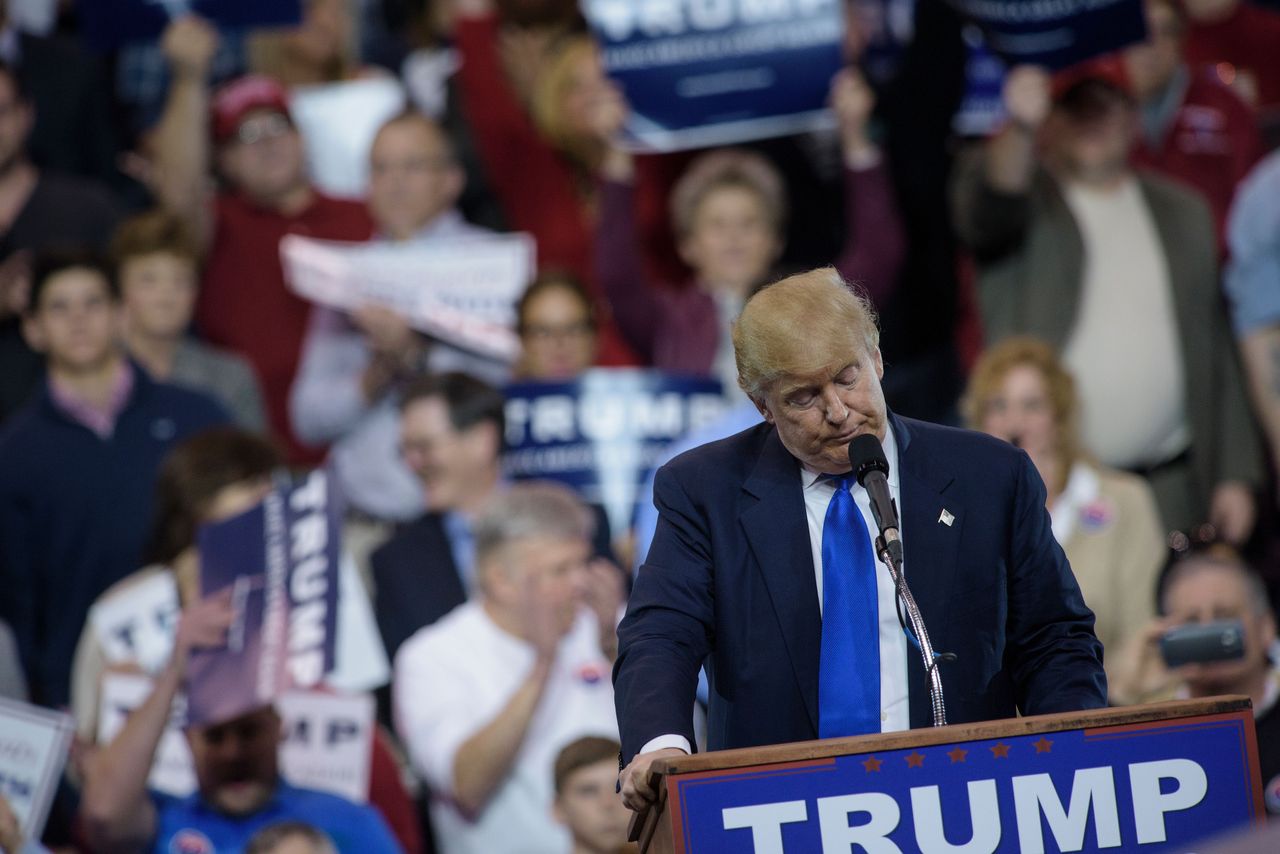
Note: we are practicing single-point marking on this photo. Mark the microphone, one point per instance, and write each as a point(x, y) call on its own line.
point(871, 469)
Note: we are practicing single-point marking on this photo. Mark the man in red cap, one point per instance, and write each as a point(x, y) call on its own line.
point(245, 130)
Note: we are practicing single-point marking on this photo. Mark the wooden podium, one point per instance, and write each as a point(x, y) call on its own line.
point(1139, 778)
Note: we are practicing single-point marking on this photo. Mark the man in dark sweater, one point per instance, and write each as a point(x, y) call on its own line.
point(77, 465)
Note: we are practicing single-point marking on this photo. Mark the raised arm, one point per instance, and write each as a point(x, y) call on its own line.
point(875, 242)
point(992, 188)
point(181, 139)
point(118, 814)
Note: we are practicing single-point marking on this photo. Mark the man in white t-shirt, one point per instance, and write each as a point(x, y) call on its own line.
point(1117, 270)
point(486, 697)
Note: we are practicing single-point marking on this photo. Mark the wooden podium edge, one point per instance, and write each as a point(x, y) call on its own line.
point(645, 822)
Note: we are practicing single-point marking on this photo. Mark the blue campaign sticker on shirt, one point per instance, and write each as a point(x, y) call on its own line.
point(190, 841)
point(1097, 516)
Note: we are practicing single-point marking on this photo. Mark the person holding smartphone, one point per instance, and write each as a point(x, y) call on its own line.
point(1214, 636)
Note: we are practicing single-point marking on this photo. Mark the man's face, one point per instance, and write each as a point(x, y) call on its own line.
point(412, 178)
point(264, 157)
point(1096, 147)
point(15, 124)
point(543, 571)
point(731, 241)
point(158, 294)
point(592, 810)
point(449, 462)
point(76, 321)
point(236, 762)
point(1151, 64)
point(817, 416)
point(1212, 592)
point(556, 336)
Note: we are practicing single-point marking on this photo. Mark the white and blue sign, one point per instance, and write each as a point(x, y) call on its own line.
point(699, 73)
point(109, 24)
point(1146, 787)
point(280, 561)
point(1055, 33)
point(602, 434)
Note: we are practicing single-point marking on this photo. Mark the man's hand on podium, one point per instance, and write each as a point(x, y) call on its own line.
point(636, 791)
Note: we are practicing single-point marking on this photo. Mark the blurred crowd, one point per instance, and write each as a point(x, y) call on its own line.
point(1096, 282)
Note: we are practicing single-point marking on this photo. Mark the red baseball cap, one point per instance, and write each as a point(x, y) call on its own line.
point(235, 100)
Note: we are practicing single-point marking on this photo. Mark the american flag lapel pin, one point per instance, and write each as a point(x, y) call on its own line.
point(946, 518)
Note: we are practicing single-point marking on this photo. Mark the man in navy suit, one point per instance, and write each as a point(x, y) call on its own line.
point(735, 573)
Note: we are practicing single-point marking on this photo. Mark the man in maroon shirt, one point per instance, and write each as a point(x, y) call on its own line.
point(1241, 38)
point(1194, 129)
point(246, 131)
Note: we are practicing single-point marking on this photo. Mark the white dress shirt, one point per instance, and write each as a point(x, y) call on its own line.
point(895, 710)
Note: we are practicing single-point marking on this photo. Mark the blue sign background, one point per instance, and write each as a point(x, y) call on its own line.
point(602, 434)
point(1055, 35)
point(711, 72)
point(108, 24)
point(1218, 746)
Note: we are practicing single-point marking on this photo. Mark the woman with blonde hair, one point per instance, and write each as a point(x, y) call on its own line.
point(1105, 520)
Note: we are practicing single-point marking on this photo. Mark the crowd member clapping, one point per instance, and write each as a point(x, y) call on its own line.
point(157, 262)
point(557, 326)
point(1117, 271)
point(246, 129)
point(77, 466)
point(1105, 520)
point(236, 766)
point(486, 698)
point(728, 212)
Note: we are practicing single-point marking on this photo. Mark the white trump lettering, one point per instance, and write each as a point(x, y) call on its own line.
point(926, 813)
point(765, 821)
point(1035, 793)
point(622, 19)
point(838, 835)
point(1150, 804)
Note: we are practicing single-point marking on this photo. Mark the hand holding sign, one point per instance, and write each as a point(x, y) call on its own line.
point(203, 625)
point(853, 100)
point(10, 833)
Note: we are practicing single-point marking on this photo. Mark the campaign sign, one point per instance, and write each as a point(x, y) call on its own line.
point(709, 72)
point(171, 771)
point(602, 434)
point(1055, 33)
point(280, 560)
point(108, 24)
point(33, 749)
point(461, 291)
point(1146, 787)
point(136, 626)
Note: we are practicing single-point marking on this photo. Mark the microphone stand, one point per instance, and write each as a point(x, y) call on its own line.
point(892, 558)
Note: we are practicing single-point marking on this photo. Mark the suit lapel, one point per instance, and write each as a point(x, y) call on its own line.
point(777, 531)
point(930, 547)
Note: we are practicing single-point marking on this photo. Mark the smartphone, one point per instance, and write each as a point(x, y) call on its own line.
point(1197, 643)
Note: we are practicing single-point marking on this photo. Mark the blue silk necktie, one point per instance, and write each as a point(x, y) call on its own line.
point(849, 667)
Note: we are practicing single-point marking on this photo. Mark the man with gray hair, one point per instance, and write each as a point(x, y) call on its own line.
point(486, 697)
point(762, 565)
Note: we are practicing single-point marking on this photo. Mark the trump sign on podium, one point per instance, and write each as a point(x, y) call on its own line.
point(1092, 781)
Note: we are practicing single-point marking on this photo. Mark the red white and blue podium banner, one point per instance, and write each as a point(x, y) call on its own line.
point(714, 72)
point(1147, 787)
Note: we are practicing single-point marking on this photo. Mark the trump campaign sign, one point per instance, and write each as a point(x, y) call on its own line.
point(708, 72)
point(108, 24)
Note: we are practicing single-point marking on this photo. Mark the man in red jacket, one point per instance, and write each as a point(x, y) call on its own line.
point(1194, 128)
point(246, 131)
